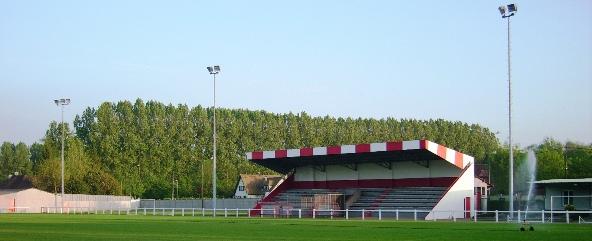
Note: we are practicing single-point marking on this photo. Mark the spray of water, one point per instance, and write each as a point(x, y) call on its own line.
point(531, 167)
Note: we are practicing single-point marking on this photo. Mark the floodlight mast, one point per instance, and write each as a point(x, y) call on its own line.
point(62, 103)
point(214, 71)
point(507, 12)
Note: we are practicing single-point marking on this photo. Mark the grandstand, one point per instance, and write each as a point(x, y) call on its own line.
point(415, 175)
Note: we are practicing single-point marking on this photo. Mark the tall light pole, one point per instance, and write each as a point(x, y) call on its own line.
point(61, 103)
point(214, 70)
point(507, 12)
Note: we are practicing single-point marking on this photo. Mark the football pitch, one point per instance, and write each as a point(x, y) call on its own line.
point(131, 227)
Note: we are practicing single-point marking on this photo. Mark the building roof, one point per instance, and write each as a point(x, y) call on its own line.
point(17, 182)
point(284, 160)
point(481, 183)
point(254, 183)
point(580, 180)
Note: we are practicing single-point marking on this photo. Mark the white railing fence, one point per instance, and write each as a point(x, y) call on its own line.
point(15, 210)
point(540, 216)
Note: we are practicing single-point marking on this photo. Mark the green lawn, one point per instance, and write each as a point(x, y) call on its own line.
point(115, 227)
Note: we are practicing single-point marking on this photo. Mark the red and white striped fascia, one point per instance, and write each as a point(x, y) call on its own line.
point(456, 158)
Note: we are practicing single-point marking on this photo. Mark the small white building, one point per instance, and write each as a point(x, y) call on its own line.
point(18, 195)
point(482, 189)
point(255, 186)
point(560, 193)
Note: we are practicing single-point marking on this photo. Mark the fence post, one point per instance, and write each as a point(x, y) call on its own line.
point(379, 214)
point(346, 214)
point(475, 217)
point(274, 213)
point(237, 212)
point(173, 212)
point(182, 212)
point(193, 212)
point(567, 216)
point(397, 214)
point(299, 213)
point(414, 214)
point(203, 212)
point(313, 213)
point(519, 216)
point(363, 214)
point(162, 211)
point(496, 216)
point(249, 212)
point(225, 212)
point(144, 211)
point(543, 216)
point(331, 213)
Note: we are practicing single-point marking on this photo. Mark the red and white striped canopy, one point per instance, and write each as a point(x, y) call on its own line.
point(454, 157)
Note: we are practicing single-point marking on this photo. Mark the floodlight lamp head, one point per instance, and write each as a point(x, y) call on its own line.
point(62, 101)
point(512, 8)
point(214, 70)
point(502, 10)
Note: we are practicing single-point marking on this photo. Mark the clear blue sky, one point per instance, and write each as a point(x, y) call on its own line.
point(403, 59)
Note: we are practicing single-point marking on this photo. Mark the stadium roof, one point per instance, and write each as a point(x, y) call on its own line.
point(285, 160)
point(581, 180)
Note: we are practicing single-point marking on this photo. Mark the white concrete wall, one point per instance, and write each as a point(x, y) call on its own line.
point(221, 203)
point(338, 172)
point(304, 174)
point(437, 168)
point(35, 199)
point(410, 170)
point(454, 199)
point(443, 169)
point(319, 175)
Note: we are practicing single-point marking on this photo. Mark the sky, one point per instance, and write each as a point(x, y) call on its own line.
point(370, 59)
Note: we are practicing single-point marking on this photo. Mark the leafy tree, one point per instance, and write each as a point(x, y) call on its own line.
point(22, 161)
point(579, 160)
point(48, 176)
point(550, 160)
point(37, 151)
point(7, 159)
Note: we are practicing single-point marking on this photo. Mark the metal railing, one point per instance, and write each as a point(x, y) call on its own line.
point(15, 210)
point(539, 216)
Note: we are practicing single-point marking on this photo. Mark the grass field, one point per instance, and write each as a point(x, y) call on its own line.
point(115, 227)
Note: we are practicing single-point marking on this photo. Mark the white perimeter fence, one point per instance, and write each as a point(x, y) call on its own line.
point(394, 215)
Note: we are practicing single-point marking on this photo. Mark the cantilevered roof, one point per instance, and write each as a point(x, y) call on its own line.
point(284, 160)
point(580, 180)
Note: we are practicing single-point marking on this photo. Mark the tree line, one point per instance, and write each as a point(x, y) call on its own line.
point(145, 149)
